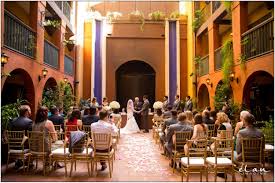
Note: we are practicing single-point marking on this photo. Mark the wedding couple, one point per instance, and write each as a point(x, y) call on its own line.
point(131, 124)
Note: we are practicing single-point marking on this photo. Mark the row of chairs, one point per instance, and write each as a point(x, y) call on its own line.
point(59, 152)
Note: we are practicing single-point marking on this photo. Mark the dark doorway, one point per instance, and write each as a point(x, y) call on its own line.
point(203, 97)
point(135, 79)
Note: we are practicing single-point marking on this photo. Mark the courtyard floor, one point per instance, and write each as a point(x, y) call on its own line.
point(138, 159)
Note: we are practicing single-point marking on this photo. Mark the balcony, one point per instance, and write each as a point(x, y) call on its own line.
point(215, 5)
point(218, 58)
point(51, 54)
point(65, 7)
point(259, 40)
point(68, 65)
point(204, 66)
point(206, 12)
point(18, 36)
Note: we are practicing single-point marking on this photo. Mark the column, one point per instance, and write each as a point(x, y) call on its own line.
point(213, 42)
point(61, 46)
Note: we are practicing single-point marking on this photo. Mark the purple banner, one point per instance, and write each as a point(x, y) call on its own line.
point(172, 61)
point(98, 62)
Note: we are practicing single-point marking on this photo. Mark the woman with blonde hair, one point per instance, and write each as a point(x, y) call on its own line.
point(189, 117)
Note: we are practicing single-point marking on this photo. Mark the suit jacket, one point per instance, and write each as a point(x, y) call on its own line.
point(169, 122)
point(21, 123)
point(145, 108)
point(180, 126)
point(188, 105)
point(176, 105)
point(89, 119)
point(57, 120)
point(137, 106)
point(165, 105)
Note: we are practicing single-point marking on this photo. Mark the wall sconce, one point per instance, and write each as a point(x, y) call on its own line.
point(44, 74)
point(4, 59)
point(232, 77)
point(42, 17)
point(65, 79)
point(76, 82)
point(208, 82)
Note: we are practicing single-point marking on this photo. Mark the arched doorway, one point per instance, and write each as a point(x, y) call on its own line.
point(18, 85)
point(258, 94)
point(135, 78)
point(49, 95)
point(203, 96)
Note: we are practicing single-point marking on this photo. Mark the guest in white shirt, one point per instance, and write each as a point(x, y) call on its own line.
point(103, 126)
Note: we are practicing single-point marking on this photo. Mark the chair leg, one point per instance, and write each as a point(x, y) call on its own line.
point(201, 176)
point(233, 175)
point(44, 166)
point(262, 176)
point(251, 178)
point(23, 164)
point(72, 162)
point(7, 166)
point(65, 164)
point(187, 175)
point(110, 169)
point(206, 174)
point(174, 162)
point(243, 177)
point(88, 168)
point(181, 174)
point(75, 165)
point(215, 174)
point(29, 160)
point(36, 162)
point(225, 176)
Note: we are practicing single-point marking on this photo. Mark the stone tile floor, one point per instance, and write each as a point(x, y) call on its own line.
point(138, 159)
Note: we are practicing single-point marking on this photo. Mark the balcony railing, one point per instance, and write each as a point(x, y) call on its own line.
point(18, 36)
point(218, 58)
point(50, 54)
point(204, 66)
point(65, 7)
point(259, 40)
point(215, 5)
point(68, 65)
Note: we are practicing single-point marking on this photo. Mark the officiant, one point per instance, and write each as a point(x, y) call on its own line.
point(137, 107)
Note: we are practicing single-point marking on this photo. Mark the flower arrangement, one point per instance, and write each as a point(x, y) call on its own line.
point(114, 105)
point(138, 15)
point(174, 15)
point(53, 23)
point(113, 15)
point(157, 15)
point(158, 105)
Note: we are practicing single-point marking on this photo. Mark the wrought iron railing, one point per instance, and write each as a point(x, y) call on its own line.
point(204, 65)
point(259, 40)
point(18, 36)
point(50, 54)
point(65, 7)
point(218, 58)
point(68, 65)
point(215, 5)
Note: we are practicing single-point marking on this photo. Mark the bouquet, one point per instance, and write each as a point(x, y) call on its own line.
point(114, 105)
point(158, 105)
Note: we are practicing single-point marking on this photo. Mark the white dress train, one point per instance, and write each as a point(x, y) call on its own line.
point(131, 124)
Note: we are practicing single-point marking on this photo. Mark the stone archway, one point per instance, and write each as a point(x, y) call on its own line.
point(19, 85)
point(135, 78)
point(203, 97)
point(258, 94)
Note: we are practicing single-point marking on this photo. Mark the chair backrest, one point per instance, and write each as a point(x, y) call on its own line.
point(224, 147)
point(15, 139)
point(158, 123)
point(252, 149)
point(225, 134)
point(198, 148)
point(69, 128)
point(37, 141)
point(269, 135)
point(211, 126)
point(57, 128)
point(102, 141)
point(86, 128)
point(181, 138)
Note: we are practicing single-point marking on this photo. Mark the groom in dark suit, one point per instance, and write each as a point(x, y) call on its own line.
point(137, 107)
point(144, 113)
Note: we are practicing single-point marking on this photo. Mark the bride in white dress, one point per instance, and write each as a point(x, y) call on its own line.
point(131, 124)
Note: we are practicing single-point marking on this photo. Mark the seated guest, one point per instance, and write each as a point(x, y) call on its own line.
point(250, 131)
point(222, 123)
point(94, 102)
point(105, 102)
point(85, 111)
point(195, 112)
point(158, 116)
point(213, 115)
point(23, 122)
point(206, 117)
point(167, 123)
point(42, 124)
point(208, 108)
point(56, 118)
point(189, 117)
point(167, 114)
point(91, 117)
point(103, 126)
point(240, 125)
point(116, 117)
point(200, 131)
point(74, 119)
point(182, 125)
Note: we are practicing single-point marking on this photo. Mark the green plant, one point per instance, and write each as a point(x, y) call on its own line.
point(197, 22)
point(157, 15)
point(53, 23)
point(10, 111)
point(65, 42)
point(228, 5)
point(111, 16)
point(84, 103)
point(227, 58)
point(174, 15)
point(138, 15)
point(242, 61)
point(197, 61)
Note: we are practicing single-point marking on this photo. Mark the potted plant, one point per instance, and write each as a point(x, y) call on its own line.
point(139, 16)
point(70, 44)
point(51, 26)
point(174, 15)
point(157, 16)
point(111, 16)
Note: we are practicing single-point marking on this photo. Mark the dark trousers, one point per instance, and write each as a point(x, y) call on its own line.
point(145, 122)
point(103, 151)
